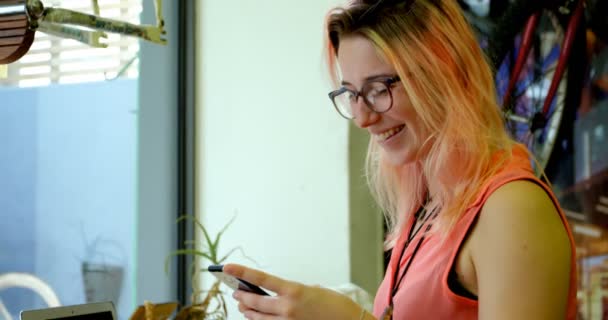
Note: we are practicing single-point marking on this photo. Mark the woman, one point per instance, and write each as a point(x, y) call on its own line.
point(473, 233)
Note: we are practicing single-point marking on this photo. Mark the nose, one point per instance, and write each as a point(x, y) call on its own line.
point(364, 116)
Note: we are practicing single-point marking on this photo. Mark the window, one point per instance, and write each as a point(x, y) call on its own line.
point(68, 167)
point(55, 60)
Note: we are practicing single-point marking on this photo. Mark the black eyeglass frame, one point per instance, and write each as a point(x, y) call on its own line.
point(388, 82)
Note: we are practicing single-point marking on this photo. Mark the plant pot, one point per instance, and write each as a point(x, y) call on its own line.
point(102, 282)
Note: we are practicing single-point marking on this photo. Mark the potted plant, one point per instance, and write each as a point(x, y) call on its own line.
point(101, 268)
point(206, 304)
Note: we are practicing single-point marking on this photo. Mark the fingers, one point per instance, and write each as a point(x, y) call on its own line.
point(257, 277)
point(284, 305)
point(262, 304)
point(254, 315)
point(244, 308)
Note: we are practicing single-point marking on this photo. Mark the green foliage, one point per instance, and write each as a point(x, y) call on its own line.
point(211, 304)
point(206, 304)
point(210, 248)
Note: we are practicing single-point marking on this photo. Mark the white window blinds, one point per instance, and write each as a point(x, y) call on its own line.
point(57, 60)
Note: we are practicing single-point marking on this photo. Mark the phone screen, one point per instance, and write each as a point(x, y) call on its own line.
point(235, 283)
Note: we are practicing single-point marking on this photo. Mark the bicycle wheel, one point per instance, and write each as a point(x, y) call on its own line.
point(547, 136)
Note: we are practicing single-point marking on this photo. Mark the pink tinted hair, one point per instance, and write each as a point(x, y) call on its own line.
point(449, 84)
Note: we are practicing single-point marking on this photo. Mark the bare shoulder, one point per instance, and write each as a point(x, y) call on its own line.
point(521, 212)
point(520, 244)
point(519, 207)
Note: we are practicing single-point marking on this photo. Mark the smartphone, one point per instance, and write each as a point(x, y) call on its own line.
point(235, 283)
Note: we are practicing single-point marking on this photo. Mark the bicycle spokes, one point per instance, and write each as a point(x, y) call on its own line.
point(524, 114)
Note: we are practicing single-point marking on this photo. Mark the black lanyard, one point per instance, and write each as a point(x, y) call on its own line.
point(411, 235)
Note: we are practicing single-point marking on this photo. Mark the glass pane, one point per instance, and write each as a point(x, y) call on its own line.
point(67, 192)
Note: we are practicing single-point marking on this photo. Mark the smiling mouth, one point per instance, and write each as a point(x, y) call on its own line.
point(390, 133)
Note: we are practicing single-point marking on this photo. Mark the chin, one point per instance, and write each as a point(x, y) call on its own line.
point(399, 159)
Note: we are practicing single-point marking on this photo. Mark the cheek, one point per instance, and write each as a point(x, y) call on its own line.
point(416, 133)
point(402, 107)
point(416, 125)
point(405, 113)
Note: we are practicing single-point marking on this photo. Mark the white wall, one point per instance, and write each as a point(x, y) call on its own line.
point(271, 148)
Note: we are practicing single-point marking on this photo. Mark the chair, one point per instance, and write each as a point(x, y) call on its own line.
point(27, 281)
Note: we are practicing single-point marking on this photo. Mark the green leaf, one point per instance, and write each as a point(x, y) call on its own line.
point(242, 253)
point(212, 250)
point(186, 252)
point(228, 254)
point(219, 234)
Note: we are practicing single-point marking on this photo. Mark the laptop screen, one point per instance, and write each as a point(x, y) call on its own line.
point(88, 311)
point(107, 315)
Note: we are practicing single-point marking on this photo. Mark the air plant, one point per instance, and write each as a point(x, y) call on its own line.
point(205, 304)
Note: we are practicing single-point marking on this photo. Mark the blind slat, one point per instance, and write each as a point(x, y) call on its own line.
point(47, 75)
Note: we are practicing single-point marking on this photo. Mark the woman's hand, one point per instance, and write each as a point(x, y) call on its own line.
point(293, 300)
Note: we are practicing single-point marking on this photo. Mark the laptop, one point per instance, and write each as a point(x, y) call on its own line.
point(88, 311)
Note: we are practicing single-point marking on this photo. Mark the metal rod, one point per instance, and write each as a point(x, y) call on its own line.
point(65, 16)
point(185, 125)
point(564, 55)
point(90, 38)
point(524, 50)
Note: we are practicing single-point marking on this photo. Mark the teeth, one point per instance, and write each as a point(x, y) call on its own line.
point(389, 133)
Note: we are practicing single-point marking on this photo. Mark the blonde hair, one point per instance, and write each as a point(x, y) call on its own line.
point(450, 86)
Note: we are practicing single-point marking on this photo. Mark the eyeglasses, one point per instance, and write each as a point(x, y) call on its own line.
point(376, 94)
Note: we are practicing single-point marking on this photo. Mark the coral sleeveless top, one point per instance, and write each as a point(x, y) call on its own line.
point(424, 293)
